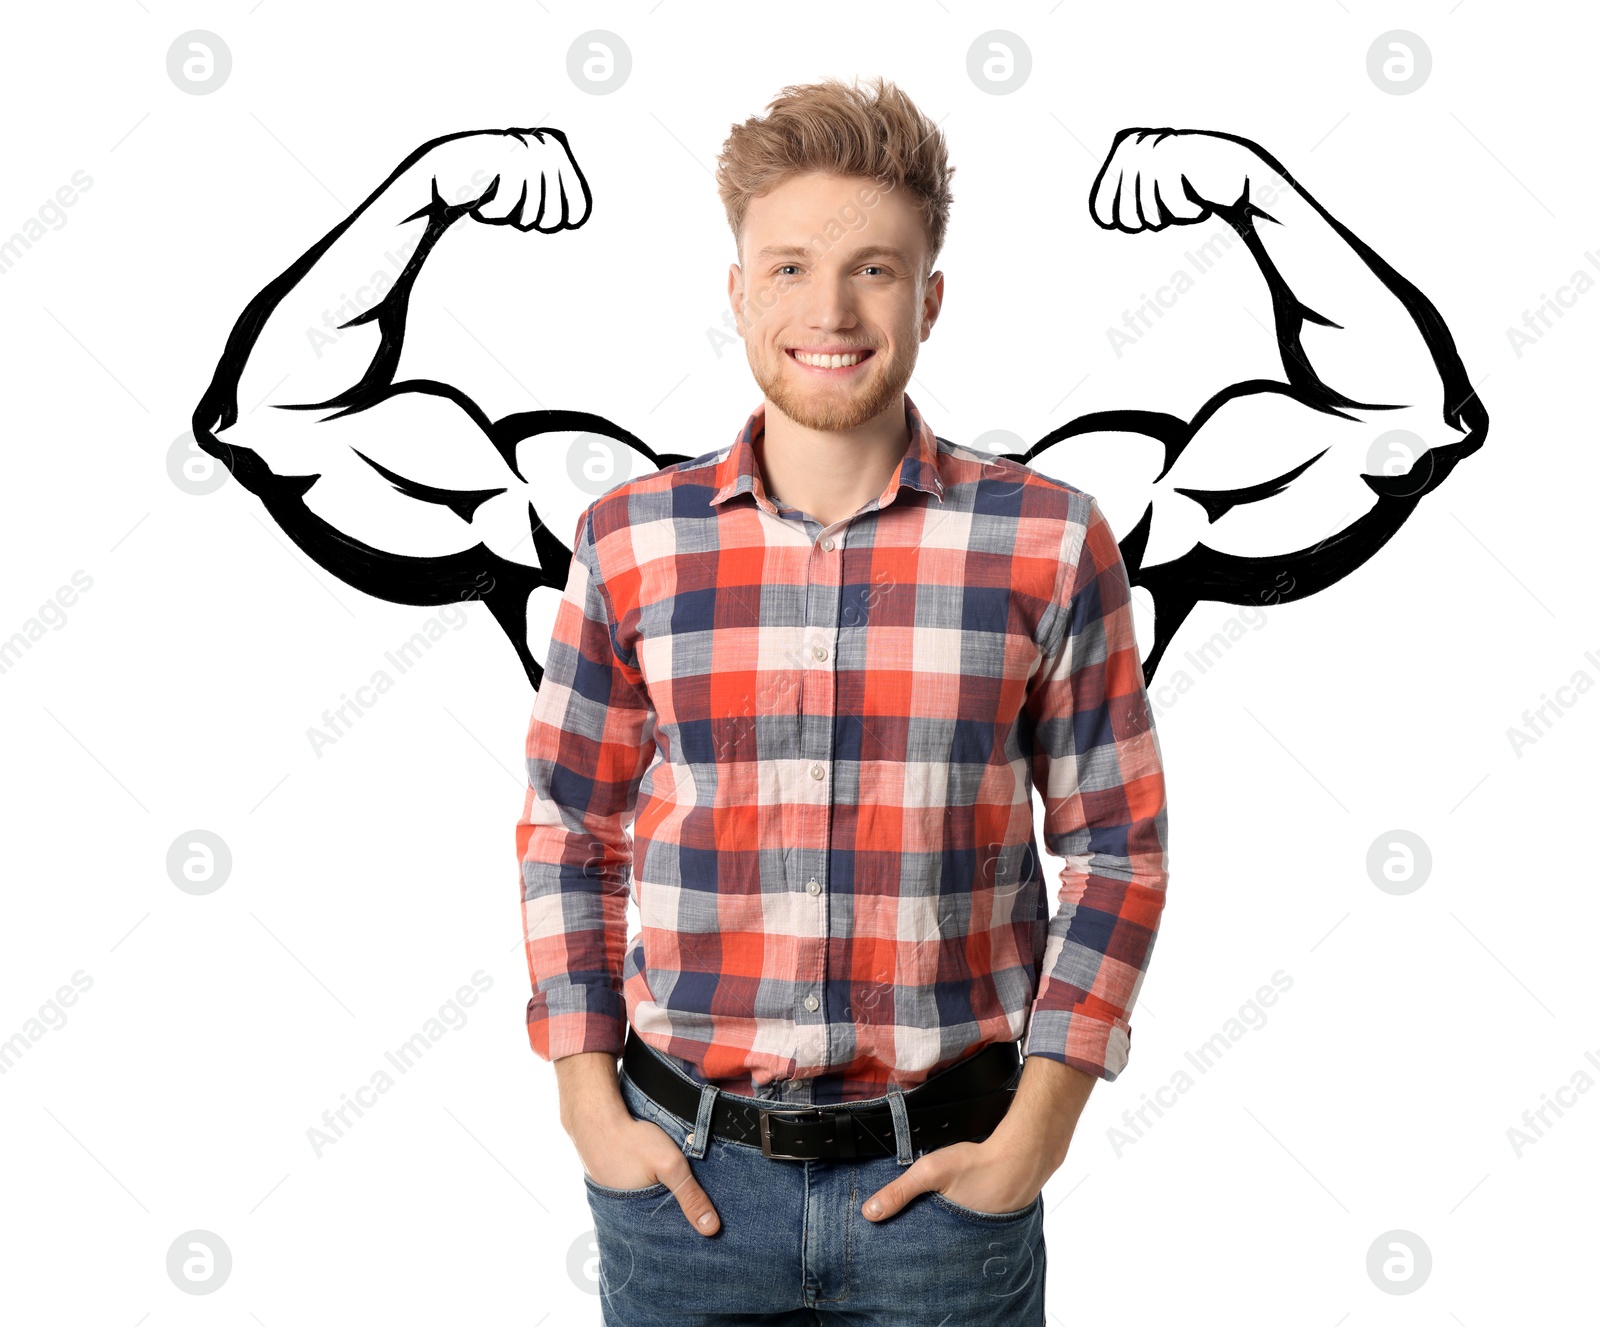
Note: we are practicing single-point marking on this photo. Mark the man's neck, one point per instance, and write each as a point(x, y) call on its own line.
point(830, 475)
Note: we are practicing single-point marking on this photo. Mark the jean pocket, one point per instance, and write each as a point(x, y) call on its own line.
point(988, 1218)
point(602, 1191)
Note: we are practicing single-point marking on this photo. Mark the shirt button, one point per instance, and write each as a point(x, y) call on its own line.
point(827, 544)
point(819, 652)
point(817, 772)
point(812, 1002)
point(812, 887)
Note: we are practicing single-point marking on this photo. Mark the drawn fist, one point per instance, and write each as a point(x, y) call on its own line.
point(1160, 177)
point(534, 184)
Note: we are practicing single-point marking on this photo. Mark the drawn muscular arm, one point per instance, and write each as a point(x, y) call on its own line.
point(286, 351)
point(403, 488)
point(1351, 329)
point(1275, 488)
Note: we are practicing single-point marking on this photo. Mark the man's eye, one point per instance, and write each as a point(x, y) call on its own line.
point(796, 267)
point(875, 265)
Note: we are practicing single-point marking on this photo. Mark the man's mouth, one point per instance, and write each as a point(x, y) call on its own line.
point(827, 362)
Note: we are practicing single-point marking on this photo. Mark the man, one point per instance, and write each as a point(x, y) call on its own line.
point(825, 665)
point(890, 995)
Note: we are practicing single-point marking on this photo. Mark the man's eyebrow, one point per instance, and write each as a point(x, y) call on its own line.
point(858, 255)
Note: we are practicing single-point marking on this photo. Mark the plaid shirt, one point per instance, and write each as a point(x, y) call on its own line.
point(836, 733)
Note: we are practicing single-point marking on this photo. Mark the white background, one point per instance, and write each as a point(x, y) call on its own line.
point(370, 883)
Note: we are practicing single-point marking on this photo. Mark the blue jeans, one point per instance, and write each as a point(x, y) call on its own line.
point(793, 1249)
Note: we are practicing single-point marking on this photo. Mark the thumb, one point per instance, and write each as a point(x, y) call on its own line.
point(918, 1177)
point(697, 1208)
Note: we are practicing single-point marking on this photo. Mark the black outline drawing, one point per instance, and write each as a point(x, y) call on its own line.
point(1175, 586)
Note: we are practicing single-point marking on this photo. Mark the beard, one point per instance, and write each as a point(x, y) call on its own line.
point(835, 407)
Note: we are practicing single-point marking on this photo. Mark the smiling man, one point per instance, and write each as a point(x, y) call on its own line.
point(833, 363)
point(822, 670)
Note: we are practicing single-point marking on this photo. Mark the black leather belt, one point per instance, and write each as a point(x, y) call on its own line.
point(961, 1104)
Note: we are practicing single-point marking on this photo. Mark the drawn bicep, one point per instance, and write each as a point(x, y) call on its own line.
point(410, 474)
point(1265, 474)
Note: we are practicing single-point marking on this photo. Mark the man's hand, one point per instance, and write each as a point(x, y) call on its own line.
point(618, 1151)
point(1159, 177)
point(634, 1154)
point(533, 182)
point(1006, 1171)
point(994, 1176)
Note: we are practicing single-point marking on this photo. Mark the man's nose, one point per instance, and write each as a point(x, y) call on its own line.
point(829, 305)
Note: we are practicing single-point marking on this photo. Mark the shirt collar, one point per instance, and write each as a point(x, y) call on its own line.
point(738, 472)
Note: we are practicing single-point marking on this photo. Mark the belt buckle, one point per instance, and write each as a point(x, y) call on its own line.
point(801, 1115)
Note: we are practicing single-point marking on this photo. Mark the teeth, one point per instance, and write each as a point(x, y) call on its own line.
point(827, 361)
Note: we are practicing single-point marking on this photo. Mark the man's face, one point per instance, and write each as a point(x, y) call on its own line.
point(833, 263)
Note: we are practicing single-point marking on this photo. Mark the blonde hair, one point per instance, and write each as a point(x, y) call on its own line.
point(838, 129)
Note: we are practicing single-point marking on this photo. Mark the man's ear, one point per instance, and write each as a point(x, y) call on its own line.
point(932, 300)
point(736, 295)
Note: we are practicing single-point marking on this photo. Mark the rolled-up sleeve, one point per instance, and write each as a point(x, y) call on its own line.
point(1097, 766)
point(590, 740)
